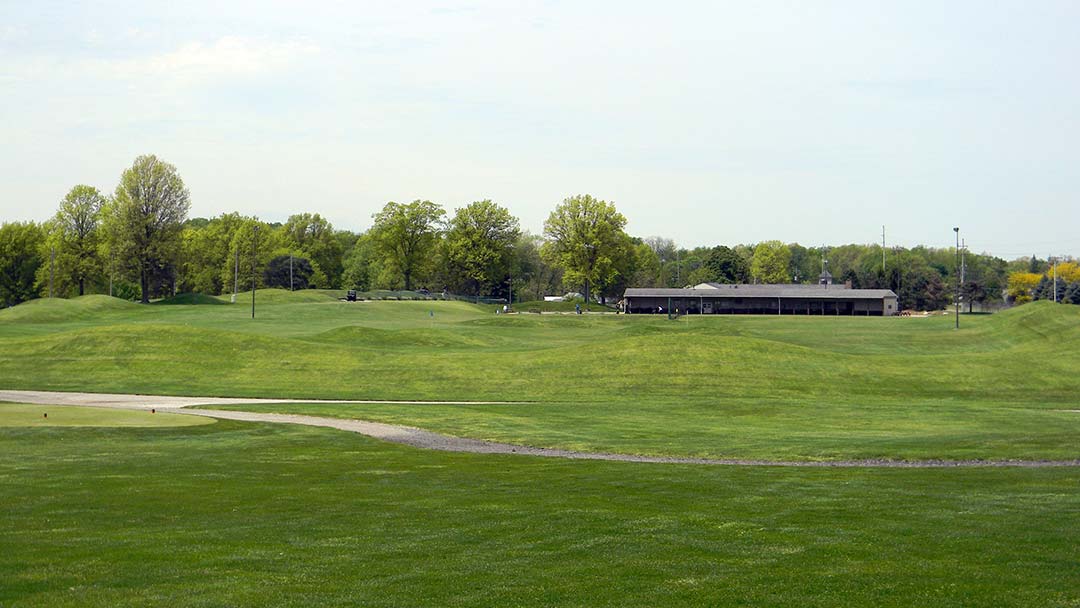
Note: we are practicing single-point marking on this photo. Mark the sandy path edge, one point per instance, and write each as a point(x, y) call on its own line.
point(420, 438)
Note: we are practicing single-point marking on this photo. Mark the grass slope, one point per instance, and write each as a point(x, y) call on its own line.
point(47, 416)
point(254, 515)
point(792, 387)
point(192, 299)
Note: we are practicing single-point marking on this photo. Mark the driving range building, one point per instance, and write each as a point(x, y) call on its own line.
point(716, 298)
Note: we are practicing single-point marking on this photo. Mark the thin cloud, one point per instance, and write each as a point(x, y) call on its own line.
point(226, 56)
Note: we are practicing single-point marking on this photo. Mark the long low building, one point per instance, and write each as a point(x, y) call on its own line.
point(716, 298)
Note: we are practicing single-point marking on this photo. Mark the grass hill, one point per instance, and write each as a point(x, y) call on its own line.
point(192, 299)
point(50, 310)
point(801, 386)
point(143, 512)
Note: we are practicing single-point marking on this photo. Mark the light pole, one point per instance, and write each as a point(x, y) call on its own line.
point(254, 243)
point(958, 279)
point(1053, 261)
point(591, 247)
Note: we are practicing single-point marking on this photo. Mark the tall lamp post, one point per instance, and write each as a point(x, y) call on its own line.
point(957, 231)
point(510, 282)
point(254, 242)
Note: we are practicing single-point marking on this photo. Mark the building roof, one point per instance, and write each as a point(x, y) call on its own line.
point(816, 292)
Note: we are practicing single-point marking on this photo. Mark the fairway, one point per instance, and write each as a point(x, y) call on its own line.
point(245, 514)
point(252, 514)
point(780, 388)
point(42, 416)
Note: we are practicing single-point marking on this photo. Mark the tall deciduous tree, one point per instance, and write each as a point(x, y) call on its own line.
point(479, 245)
point(314, 236)
point(770, 263)
point(20, 258)
point(405, 236)
point(725, 265)
point(74, 235)
point(151, 204)
point(1021, 284)
point(208, 255)
point(586, 239)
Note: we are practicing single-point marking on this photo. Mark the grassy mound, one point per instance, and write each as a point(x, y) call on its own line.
point(192, 299)
point(47, 310)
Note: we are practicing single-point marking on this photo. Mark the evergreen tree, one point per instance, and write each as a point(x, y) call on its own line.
point(1043, 290)
point(1072, 293)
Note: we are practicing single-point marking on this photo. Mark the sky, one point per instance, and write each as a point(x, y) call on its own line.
point(705, 122)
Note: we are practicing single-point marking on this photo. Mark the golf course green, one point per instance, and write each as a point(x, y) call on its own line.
point(109, 512)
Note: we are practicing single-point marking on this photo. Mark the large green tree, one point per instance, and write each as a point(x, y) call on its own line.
point(150, 206)
point(725, 265)
point(208, 259)
point(73, 237)
point(253, 237)
point(313, 236)
point(479, 245)
point(362, 264)
point(771, 262)
point(405, 237)
point(586, 239)
point(20, 258)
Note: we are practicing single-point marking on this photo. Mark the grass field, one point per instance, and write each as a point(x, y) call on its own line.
point(260, 515)
point(757, 387)
point(109, 512)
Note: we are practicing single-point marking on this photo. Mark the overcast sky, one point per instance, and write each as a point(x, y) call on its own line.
point(709, 123)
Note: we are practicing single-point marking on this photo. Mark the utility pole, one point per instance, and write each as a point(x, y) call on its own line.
point(1053, 261)
point(958, 276)
point(52, 270)
point(883, 252)
point(254, 250)
point(236, 276)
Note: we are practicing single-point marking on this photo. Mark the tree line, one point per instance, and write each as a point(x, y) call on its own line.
point(138, 243)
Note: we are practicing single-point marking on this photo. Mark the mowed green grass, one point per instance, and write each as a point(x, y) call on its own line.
point(48, 416)
point(239, 514)
point(764, 387)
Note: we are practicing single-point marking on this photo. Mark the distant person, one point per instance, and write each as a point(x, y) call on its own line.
point(577, 308)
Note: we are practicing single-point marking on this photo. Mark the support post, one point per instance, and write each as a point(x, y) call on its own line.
point(958, 276)
point(254, 251)
point(52, 270)
point(236, 276)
